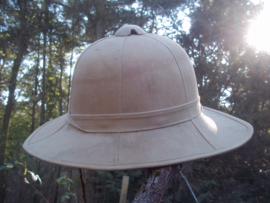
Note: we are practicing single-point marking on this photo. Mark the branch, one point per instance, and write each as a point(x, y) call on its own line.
point(37, 191)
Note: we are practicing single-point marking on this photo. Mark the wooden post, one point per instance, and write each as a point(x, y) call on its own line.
point(124, 189)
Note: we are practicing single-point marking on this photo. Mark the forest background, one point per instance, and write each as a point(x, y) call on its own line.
point(39, 43)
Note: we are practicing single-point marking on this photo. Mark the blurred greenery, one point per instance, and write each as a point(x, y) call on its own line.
point(39, 42)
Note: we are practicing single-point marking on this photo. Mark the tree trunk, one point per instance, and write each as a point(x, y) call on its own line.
point(42, 113)
point(100, 24)
point(35, 92)
point(45, 31)
point(51, 84)
point(60, 82)
point(156, 185)
point(2, 62)
point(56, 190)
point(71, 57)
point(22, 49)
point(99, 29)
point(70, 73)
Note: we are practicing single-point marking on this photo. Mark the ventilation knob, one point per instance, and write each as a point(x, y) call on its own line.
point(127, 30)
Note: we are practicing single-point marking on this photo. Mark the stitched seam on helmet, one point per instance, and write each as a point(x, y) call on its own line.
point(245, 123)
point(35, 132)
point(120, 74)
point(47, 136)
point(202, 135)
point(75, 66)
point(175, 61)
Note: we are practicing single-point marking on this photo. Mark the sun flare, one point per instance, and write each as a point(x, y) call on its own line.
point(259, 31)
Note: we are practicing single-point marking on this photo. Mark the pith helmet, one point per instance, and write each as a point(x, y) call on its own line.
point(134, 103)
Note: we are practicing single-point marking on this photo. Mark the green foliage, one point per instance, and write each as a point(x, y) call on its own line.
point(67, 182)
point(35, 177)
point(65, 197)
point(6, 165)
point(108, 184)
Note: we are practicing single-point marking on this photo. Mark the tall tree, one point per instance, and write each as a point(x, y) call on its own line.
point(21, 44)
point(45, 6)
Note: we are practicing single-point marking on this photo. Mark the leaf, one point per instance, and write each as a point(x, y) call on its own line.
point(69, 180)
point(8, 35)
point(65, 197)
point(9, 165)
point(26, 181)
point(61, 180)
point(2, 167)
point(64, 181)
